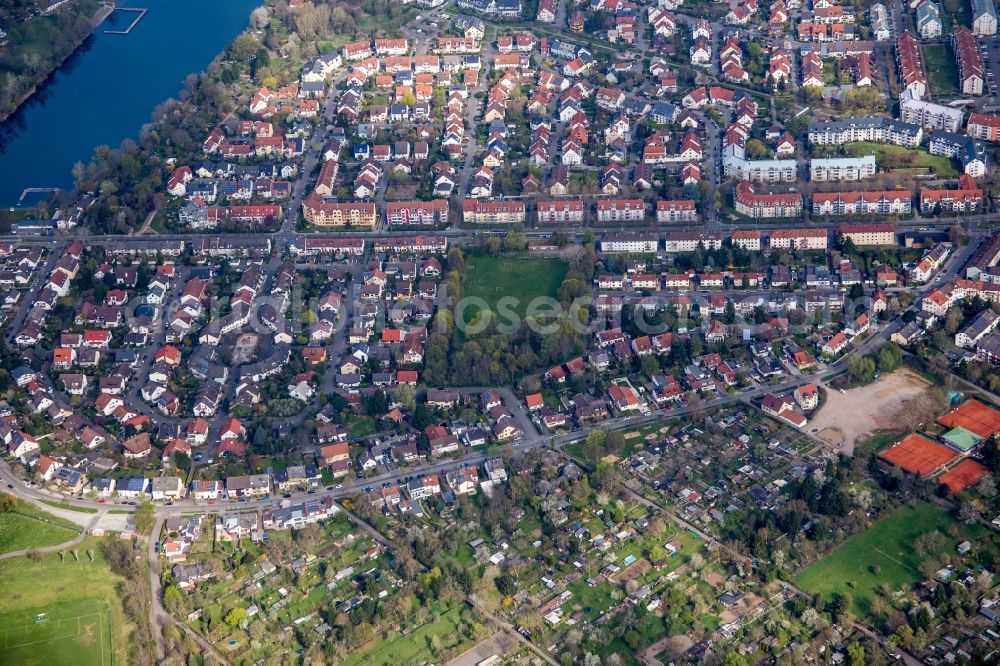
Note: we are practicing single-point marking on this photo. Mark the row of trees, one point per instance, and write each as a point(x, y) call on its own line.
point(134, 594)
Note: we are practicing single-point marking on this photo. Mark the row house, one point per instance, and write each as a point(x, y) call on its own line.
point(910, 64)
point(928, 19)
point(412, 244)
point(966, 198)
point(671, 211)
point(971, 74)
point(874, 129)
point(391, 47)
point(563, 211)
point(878, 18)
point(477, 211)
point(983, 126)
point(546, 11)
point(965, 149)
point(354, 51)
point(811, 69)
point(982, 325)
point(735, 164)
point(325, 213)
point(630, 243)
point(314, 245)
point(817, 31)
point(689, 241)
point(700, 52)
point(984, 18)
point(913, 109)
point(664, 23)
point(457, 45)
point(747, 239)
point(731, 61)
point(932, 260)
point(621, 210)
point(886, 202)
point(868, 234)
point(798, 239)
point(420, 213)
point(758, 205)
point(841, 168)
point(780, 68)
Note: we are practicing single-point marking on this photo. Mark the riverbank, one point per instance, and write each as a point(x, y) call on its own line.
point(103, 12)
point(40, 144)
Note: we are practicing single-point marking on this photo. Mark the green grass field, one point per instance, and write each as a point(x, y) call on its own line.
point(888, 544)
point(942, 71)
point(414, 648)
point(28, 527)
point(69, 507)
point(72, 633)
point(494, 278)
point(897, 157)
point(82, 623)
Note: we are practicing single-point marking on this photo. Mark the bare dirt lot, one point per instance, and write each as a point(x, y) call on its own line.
point(849, 417)
point(634, 570)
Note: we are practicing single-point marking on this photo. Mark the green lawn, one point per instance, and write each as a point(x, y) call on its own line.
point(888, 544)
point(597, 599)
point(942, 71)
point(69, 507)
point(876, 442)
point(520, 279)
point(414, 648)
point(360, 427)
point(83, 623)
point(897, 157)
point(27, 527)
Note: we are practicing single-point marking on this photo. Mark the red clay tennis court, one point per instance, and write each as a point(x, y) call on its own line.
point(918, 455)
point(966, 473)
point(974, 416)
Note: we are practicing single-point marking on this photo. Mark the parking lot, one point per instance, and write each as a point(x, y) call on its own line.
point(990, 49)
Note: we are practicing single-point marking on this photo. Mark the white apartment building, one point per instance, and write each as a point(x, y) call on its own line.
point(841, 168)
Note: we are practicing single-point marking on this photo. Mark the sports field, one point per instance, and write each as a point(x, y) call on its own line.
point(918, 455)
point(73, 633)
point(978, 418)
point(521, 279)
point(888, 545)
point(61, 610)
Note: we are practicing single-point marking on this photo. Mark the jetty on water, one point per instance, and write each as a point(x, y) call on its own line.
point(138, 11)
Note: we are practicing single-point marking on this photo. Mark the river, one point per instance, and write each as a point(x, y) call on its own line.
point(108, 89)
